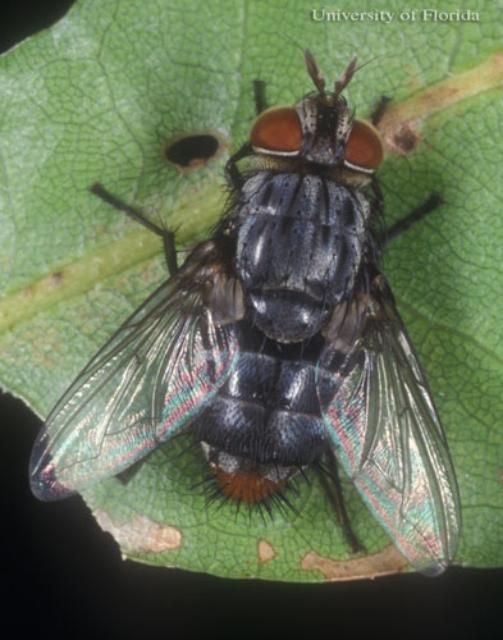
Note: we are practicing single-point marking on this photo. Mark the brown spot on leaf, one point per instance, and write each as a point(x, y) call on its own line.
point(399, 135)
point(387, 561)
point(265, 551)
point(55, 279)
point(400, 123)
point(405, 139)
point(141, 535)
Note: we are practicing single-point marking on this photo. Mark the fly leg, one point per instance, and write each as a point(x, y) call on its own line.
point(232, 173)
point(431, 203)
point(332, 484)
point(168, 240)
point(167, 236)
point(259, 95)
point(379, 110)
point(384, 237)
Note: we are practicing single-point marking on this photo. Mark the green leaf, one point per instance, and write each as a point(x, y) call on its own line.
point(100, 95)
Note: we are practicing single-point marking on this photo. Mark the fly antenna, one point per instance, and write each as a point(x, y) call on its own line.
point(314, 71)
point(345, 78)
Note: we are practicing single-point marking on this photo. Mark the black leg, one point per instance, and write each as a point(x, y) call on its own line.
point(167, 236)
point(329, 476)
point(125, 477)
point(379, 110)
point(259, 94)
point(232, 173)
point(378, 202)
point(432, 203)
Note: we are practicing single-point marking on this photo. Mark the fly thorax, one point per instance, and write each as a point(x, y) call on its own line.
point(300, 246)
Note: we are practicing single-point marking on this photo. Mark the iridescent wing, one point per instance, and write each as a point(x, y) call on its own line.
point(154, 375)
point(385, 431)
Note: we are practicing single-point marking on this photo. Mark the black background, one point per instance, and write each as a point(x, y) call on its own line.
point(62, 576)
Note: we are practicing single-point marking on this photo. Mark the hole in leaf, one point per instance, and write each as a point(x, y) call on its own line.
point(193, 151)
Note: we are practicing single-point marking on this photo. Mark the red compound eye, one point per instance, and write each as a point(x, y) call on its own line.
point(277, 130)
point(364, 148)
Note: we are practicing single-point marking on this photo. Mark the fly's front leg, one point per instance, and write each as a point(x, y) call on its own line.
point(232, 173)
point(379, 110)
point(259, 95)
point(167, 236)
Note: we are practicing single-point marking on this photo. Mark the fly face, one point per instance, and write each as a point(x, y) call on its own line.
point(277, 344)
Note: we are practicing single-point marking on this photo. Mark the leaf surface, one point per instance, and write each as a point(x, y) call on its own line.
point(98, 97)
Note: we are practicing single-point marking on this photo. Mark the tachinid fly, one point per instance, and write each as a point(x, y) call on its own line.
point(277, 343)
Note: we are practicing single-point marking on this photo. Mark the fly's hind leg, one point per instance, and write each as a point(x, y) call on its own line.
point(329, 476)
point(167, 236)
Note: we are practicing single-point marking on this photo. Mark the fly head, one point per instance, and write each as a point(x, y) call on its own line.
point(320, 129)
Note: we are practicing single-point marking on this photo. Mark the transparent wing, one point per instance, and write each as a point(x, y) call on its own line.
point(154, 375)
point(386, 432)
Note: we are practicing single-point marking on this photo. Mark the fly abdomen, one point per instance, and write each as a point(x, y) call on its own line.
point(300, 245)
point(268, 412)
